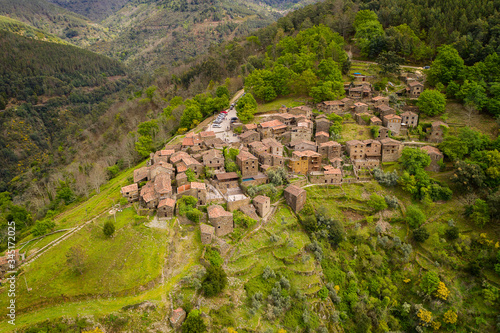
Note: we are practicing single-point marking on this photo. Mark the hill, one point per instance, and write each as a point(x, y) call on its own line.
point(46, 89)
point(96, 10)
point(20, 28)
point(71, 27)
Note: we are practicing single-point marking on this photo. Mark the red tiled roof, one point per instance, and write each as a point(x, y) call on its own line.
point(329, 144)
point(415, 83)
point(140, 174)
point(162, 184)
point(149, 197)
point(248, 134)
point(333, 103)
point(227, 176)
point(130, 188)
point(206, 229)
point(261, 199)
point(250, 126)
point(207, 134)
point(166, 152)
point(354, 142)
point(244, 155)
point(430, 149)
point(188, 141)
point(392, 116)
point(294, 190)
point(272, 124)
point(270, 142)
point(215, 211)
point(176, 315)
point(167, 202)
point(198, 186)
point(333, 171)
point(181, 167)
point(389, 141)
point(322, 134)
point(294, 143)
point(306, 153)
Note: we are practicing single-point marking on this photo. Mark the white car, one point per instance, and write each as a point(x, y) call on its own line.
point(216, 125)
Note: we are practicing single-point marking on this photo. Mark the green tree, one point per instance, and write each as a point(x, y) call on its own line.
point(473, 93)
point(413, 159)
point(430, 282)
point(194, 323)
point(447, 66)
point(327, 91)
point(453, 147)
point(214, 281)
point(389, 62)
point(468, 176)
point(480, 213)
point(377, 202)
point(108, 229)
point(431, 102)
point(363, 17)
point(222, 91)
point(144, 146)
point(246, 107)
point(420, 235)
point(414, 216)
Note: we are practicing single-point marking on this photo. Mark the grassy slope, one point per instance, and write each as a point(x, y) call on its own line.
point(18, 27)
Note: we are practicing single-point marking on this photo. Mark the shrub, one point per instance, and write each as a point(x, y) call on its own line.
point(214, 281)
point(323, 293)
point(194, 215)
point(213, 256)
point(452, 233)
point(42, 227)
point(377, 202)
point(194, 323)
point(386, 178)
point(430, 282)
point(414, 216)
point(242, 220)
point(392, 202)
point(310, 223)
point(109, 229)
point(420, 235)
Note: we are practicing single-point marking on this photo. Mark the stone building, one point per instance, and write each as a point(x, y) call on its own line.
point(384, 110)
point(360, 107)
point(383, 133)
point(302, 145)
point(305, 161)
point(330, 149)
point(322, 137)
point(262, 204)
point(410, 119)
point(221, 220)
point(373, 148)
point(207, 233)
point(414, 89)
point(322, 124)
point(375, 121)
point(329, 176)
point(438, 130)
point(366, 163)
point(248, 164)
point(355, 149)
point(249, 127)
point(166, 208)
point(393, 123)
point(214, 159)
point(249, 136)
point(391, 150)
point(131, 192)
point(363, 118)
point(378, 100)
point(295, 197)
point(301, 110)
point(436, 156)
point(225, 181)
point(177, 318)
point(330, 107)
point(273, 146)
point(271, 129)
point(299, 133)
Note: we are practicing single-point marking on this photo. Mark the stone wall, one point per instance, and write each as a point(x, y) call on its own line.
point(235, 205)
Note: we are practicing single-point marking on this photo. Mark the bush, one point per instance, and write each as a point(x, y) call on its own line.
point(323, 293)
point(214, 281)
point(386, 178)
point(213, 256)
point(414, 216)
point(109, 229)
point(310, 223)
point(241, 220)
point(430, 282)
point(42, 227)
point(194, 323)
point(392, 202)
point(452, 233)
point(420, 235)
point(194, 215)
point(377, 202)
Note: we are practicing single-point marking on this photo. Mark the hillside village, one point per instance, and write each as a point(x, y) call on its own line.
point(296, 140)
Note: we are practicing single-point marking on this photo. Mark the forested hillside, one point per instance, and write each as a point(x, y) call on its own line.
point(96, 10)
point(53, 19)
point(47, 91)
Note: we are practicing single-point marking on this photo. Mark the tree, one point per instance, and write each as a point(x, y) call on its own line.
point(420, 235)
point(413, 159)
point(389, 62)
point(377, 202)
point(447, 66)
point(473, 93)
point(431, 102)
point(194, 323)
point(108, 229)
point(76, 258)
point(430, 282)
point(453, 147)
point(363, 17)
point(480, 213)
point(214, 281)
point(97, 177)
point(414, 216)
point(467, 175)
point(246, 107)
point(222, 91)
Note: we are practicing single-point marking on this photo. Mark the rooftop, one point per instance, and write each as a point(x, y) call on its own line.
point(130, 188)
point(215, 211)
point(206, 229)
point(330, 144)
point(226, 176)
point(261, 199)
point(322, 134)
point(430, 149)
point(294, 190)
point(244, 155)
point(272, 124)
point(168, 202)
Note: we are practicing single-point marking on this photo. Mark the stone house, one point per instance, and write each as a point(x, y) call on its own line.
point(162, 156)
point(207, 233)
point(363, 118)
point(373, 148)
point(149, 199)
point(216, 143)
point(194, 189)
point(375, 121)
point(275, 148)
point(160, 168)
point(336, 162)
point(358, 90)
point(131, 192)
point(360, 107)
point(305, 123)
point(384, 110)
point(438, 130)
point(393, 123)
point(329, 176)
point(330, 149)
point(322, 124)
point(410, 119)
point(312, 158)
point(220, 219)
point(163, 186)
point(322, 137)
point(249, 136)
point(262, 204)
point(331, 106)
point(300, 133)
point(177, 318)
point(271, 129)
point(249, 127)
point(248, 164)
point(295, 197)
point(383, 133)
point(286, 118)
point(226, 181)
point(301, 110)
point(141, 174)
point(366, 163)
point(206, 135)
point(391, 150)
point(166, 208)
point(414, 89)
point(355, 149)
point(181, 179)
point(380, 100)
point(436, 155)
point(303, 145)
point(271, 160)
point(214, 159)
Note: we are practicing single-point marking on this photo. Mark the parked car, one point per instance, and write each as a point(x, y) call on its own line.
point(216, 125)
point(427, 67)
point(225, 112)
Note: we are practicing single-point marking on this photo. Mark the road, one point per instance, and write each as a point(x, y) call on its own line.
point(224, 132)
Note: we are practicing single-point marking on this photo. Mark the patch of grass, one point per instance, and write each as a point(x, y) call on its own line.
point(352, 131)
point(276, 104)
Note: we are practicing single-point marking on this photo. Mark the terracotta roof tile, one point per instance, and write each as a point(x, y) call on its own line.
point(261, 199)
point(226, 176)
point(167, 202)
point(294, 190)
point(206, 229)
point(215, 211)
point(272, 124)
point(140, 174)
point(198, 186)
point(244, 155)
point(130, 188)
point(322, 134)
